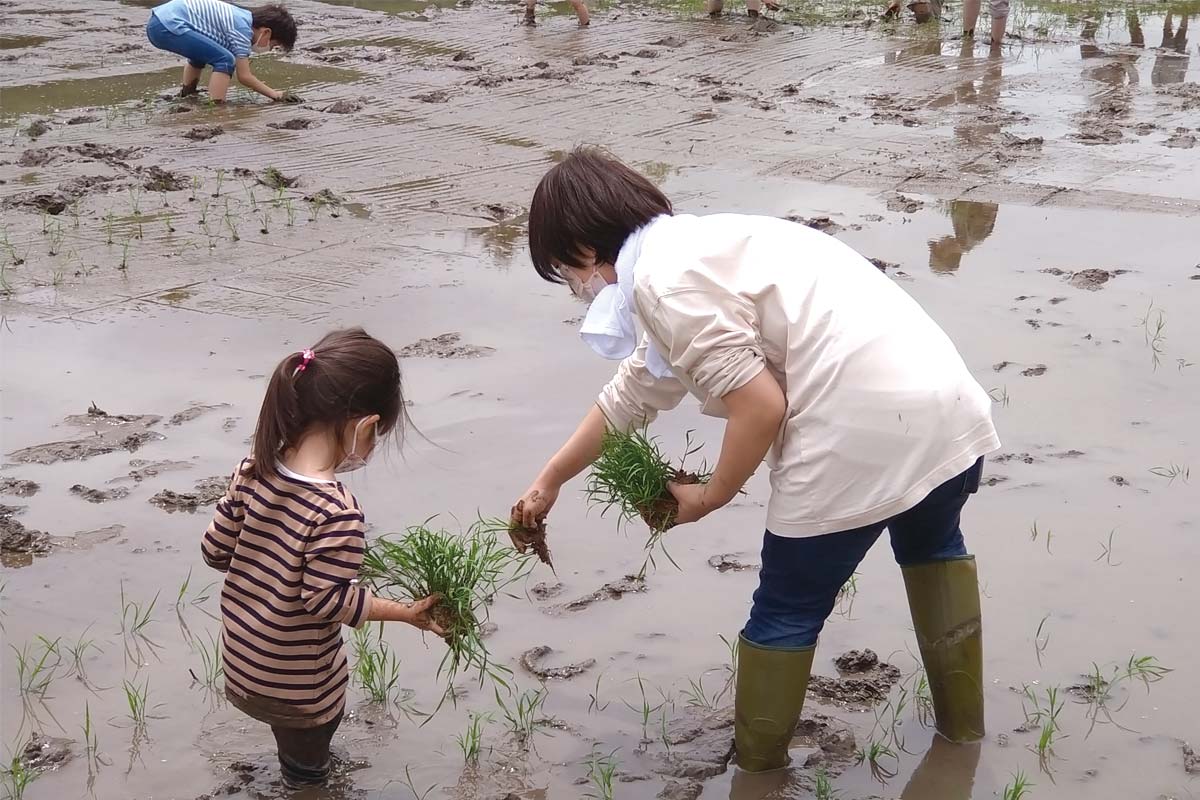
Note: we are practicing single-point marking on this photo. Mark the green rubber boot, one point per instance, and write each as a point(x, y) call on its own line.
point(943, 597)
point(771, 683)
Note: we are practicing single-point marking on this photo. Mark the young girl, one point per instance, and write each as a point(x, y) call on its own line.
point(861, 405)
point(220, 34)
point(289, 538)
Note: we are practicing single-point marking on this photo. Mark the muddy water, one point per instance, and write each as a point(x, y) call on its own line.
point(1049, 262)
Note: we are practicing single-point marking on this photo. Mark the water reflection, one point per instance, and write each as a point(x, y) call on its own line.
point(1171, 63)
point(947, 772)
point(972, 223)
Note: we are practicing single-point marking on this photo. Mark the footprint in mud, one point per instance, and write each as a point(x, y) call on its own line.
point(207, 492)
point(18, 487)
point(106, 433)
point(202, 133)
point(99, 495)
point(192, 412)
point(294, 124)
point(531, 660)
point(630, 584)
point(445, 346)
point(52, 203)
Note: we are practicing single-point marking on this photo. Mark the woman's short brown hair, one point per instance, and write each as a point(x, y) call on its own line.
point(589, 200)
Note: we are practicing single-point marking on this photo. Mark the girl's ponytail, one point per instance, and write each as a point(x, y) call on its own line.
point(277, 419)
point(347, 375)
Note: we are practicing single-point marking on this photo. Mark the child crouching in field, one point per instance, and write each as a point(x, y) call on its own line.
point(290, 539)
point(221, 35)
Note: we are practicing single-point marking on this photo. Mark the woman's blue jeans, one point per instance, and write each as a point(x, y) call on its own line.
point(198, 49)
point(800, 578)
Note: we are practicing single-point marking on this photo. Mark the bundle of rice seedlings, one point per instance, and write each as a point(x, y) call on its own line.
point(467, 570)
point(632, 474)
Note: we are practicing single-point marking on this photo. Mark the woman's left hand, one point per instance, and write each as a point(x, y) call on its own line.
point(691, 501)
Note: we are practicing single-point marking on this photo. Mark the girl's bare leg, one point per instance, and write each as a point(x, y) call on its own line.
point(714, 7)
point(998, 26)
point(970, 16)
point(581, 11)
point(530, 18)
point(218, 86)
point(753, 7)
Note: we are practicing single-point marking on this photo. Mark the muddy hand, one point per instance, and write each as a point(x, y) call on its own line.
point(288, 96)
point(690, 498)
point(422, 616)
point(531, 510)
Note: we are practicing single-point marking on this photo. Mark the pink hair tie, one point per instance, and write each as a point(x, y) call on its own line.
point(305, 357)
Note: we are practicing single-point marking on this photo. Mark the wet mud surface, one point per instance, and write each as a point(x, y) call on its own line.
point(1040, 202)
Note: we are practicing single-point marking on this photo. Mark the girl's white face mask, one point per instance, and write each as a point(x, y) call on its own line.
point(260, 47)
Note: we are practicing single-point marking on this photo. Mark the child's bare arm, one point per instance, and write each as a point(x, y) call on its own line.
point(415, 614)
point(246, 78)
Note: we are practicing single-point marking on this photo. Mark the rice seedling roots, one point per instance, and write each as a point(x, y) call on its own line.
point(526, 539)
point(660, 515)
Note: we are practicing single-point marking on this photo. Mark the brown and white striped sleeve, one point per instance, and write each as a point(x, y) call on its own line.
point(219, 540)
point(332, 558)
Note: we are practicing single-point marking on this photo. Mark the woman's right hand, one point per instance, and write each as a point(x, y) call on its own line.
point(533, 506)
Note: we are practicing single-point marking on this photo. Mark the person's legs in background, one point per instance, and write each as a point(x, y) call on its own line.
point(943, 596)
point(304, 753)
point(798, 586)
point(999, 10)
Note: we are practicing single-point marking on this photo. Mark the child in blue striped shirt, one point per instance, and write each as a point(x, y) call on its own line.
point(220, 34)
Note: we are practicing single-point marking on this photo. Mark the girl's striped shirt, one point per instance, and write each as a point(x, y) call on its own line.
point(290, 549)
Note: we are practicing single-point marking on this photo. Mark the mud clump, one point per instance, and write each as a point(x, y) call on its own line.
point(202, 133)
point(128, 47)
point(1090, 279)
point(854, 661)
point(630, 584)
point(436, 96)
point(193, 412)
point(499, 212)
point(730, 562)
point(18, 487)
point(99, 495)
point(208, 491)
point(546, 591)
point(157, 179)
point(343, 107)
point(904, 205)
point(1119, 480)
point(1034, 371)
point(143, 469)
point(274, 179)
point(448, 345)
point(822, 224)
point(294, 124)
point(489, 81)
point(1191, 762)
point(670, 41)
point(52, 203)
point(1097, 134)
point(106, 434)
point(865, 680)
point(885, 266)
point(531, 660)
point(721, 96)
point(19, 544)
point(37, 128)
point(82, 119)
point(85, 184)
point(88, 151)
point(1016, 142)
point(701, 748)
point(1182, 139)
point(44, 753)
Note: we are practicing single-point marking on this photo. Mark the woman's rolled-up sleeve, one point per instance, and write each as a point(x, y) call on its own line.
point(712, 338)
point(634, 396)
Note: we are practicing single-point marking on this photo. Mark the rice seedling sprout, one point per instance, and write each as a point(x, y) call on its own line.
point(602, 774)
point(470, 741)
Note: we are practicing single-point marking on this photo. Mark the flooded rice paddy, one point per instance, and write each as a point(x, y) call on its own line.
point(1042, 203)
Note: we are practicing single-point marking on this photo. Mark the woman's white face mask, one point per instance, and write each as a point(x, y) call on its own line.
point(585, 290)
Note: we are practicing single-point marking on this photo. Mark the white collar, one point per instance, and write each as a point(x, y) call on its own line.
point(610, 327)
